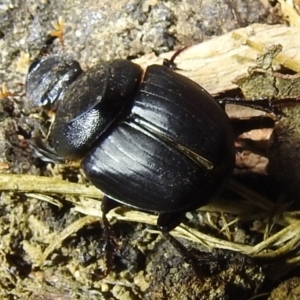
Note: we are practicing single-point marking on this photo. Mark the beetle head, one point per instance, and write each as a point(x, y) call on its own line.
point(48, 77)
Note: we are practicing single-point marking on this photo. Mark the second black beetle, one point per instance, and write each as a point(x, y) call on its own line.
point(154, 139)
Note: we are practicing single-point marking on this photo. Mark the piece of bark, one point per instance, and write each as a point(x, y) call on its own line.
point(214, 64)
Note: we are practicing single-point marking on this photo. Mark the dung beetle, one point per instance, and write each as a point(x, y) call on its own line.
point(150, 139)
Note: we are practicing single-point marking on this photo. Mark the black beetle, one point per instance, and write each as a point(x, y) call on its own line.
point(154, 139)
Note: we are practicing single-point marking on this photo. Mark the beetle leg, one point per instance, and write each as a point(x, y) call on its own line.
point(265, 104)
point(44, 152)
point(170, 63)
point(106, 206)
point(165, 223)
point(110, 245)
point(57, 33)
point(168, 221)
point(47, 45)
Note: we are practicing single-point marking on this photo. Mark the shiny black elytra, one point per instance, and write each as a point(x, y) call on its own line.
point(154, 139)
